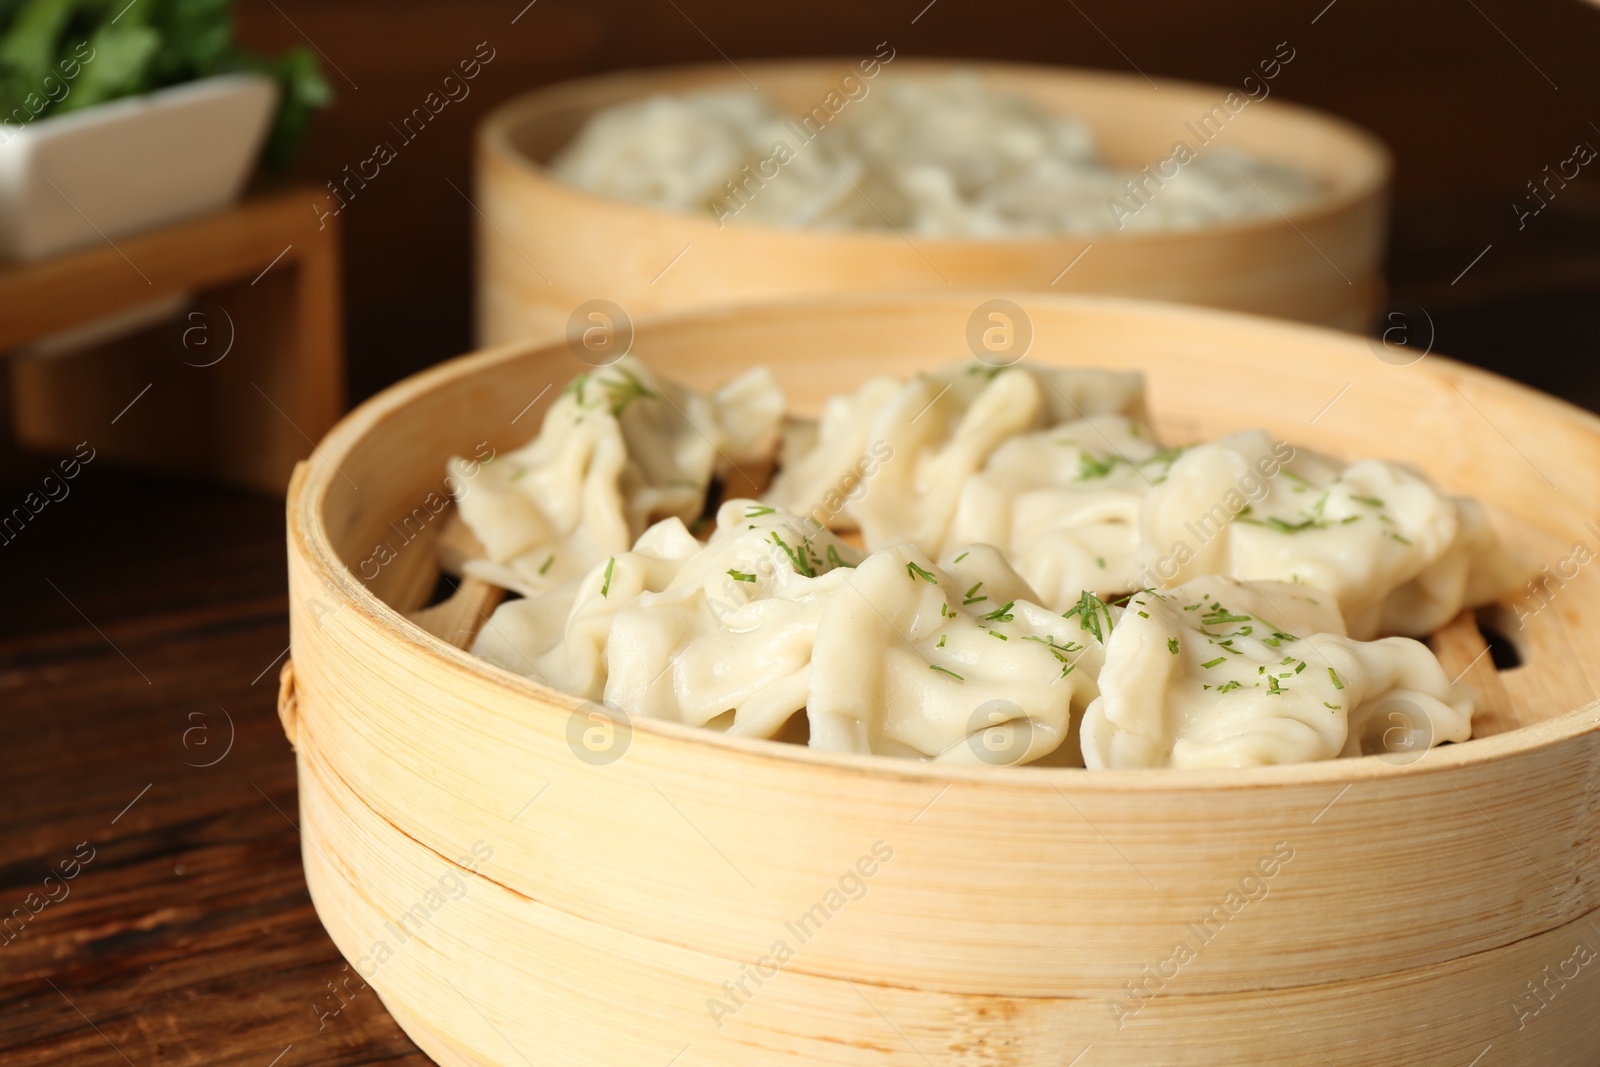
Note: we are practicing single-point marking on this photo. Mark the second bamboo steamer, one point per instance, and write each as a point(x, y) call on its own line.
point(545, 248)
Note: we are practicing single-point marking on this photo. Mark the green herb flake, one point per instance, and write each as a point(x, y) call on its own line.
point(1212, 663)
point(970, 598)
point(1338, 683)
point(624, 390)
point(1001, 614)
point(605, 586)
point(801, 563)
point(997, 633)
point(757, 512)
point(1370, 501)
point(741, 576)
point(1089, 610)
point(942, 670)
point(917, 572)
point(1090, 468)
point(941, 641)
point(961, 557)
point(1229, 686)
point(1172, 645)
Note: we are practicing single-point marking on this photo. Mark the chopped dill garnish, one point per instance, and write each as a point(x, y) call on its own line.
point(1335, 707)
point(1401, 538)
point(1300, 667)
point(1089, 609)
point(942, 670)
point(1338, 683)
point(1273, 688)
point(574, 388)
point(1172, 645)
point(1089, 467)
point(741, 576)
point(1212, 663)
point(941, 641)
point(970, 598)
point(835, 559)
point(545, 566)
point(961, 557)
point(917, 572)
point(1277, 638)
point(1001, 614)
point(1058, 651)
point(801, 563)
point(625, 391)
point(1221, 616)
point(1370, 501)
point(997, 633)
point(1229, 686)
point(605, 586)
point(757, 512)
point(944, 610)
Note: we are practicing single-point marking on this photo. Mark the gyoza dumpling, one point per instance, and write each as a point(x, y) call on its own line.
point(915, 443)
point(954, 663)
point(619, 450)
point(1397, 554)
point(1224, 673)
point(728, 641)
point(1064, 505)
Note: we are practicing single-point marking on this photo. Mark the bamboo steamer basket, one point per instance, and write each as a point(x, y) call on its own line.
point(1425, 912)
point(545, 248)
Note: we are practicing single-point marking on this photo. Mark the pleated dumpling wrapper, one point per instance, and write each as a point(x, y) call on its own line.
point(891, 458)
point(1064, 504)
point(619, 450)
point(1398, 555)
point(1225, 673)
point(774, 616)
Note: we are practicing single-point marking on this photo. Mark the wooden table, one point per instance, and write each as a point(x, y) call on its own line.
point(189, 937)
point(251, 373)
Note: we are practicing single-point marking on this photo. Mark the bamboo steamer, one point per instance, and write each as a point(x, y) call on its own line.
point(545, 248)
point(1012, 916)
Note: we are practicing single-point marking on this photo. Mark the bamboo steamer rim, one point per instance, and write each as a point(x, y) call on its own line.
point(1369, 158)
point(310, 541)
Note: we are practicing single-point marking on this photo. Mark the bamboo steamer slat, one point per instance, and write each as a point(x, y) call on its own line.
point(1018, 903)
point(543, 247)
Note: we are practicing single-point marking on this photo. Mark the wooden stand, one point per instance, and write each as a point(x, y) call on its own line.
point(266, 278)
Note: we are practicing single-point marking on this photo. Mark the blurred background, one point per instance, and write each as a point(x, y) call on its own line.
point(185, 578)
point(1473, 97)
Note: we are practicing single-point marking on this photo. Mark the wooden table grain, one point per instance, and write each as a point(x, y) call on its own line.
point(144, 621)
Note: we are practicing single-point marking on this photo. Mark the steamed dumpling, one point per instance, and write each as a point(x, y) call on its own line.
point(1064, 504)
point(1397, 555)
point(619, 450)
point(890, 458)
point(1219, 672)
